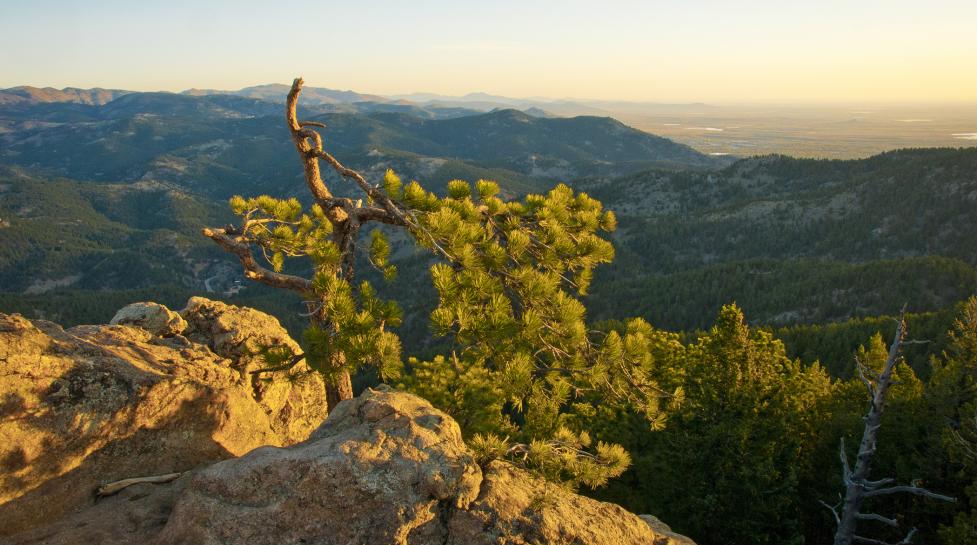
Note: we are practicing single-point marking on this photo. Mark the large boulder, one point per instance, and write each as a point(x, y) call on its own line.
point(232, 331)
point(384, 468)
point(388, 468)
point(95, 404)
point(516, 508)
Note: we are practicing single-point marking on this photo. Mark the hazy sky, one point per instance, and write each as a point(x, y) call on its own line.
point(692, 50)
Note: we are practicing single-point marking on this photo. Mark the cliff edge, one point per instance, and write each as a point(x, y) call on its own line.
point(162, 392)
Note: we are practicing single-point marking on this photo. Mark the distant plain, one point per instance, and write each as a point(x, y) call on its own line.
point(830, 132)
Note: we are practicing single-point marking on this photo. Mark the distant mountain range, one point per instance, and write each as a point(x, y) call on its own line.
point(103, 192)
point(33, 95)
point(350, 101)
point(276, 92)
point(221, 144)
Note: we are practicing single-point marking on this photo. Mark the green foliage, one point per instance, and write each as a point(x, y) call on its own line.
point(524, 365)
point(755, 442)
point(356, 331)
point(380, 254)
point(735, 447)
point(954, 385)
point(562, 458)
point(792, 240)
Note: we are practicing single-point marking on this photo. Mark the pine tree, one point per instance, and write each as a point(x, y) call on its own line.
point(522, 362)
point(954, 383)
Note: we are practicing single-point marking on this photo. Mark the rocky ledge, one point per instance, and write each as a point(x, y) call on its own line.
point(248, 463)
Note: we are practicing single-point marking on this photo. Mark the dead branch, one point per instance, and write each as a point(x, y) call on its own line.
point(834, 511)
point(880, 518)
point(309, 145)
point(905, 541)
point(908, 489)
point(858, 487)
point(118, 486)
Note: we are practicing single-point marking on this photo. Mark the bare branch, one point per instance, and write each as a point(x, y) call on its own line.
point(118, 486)
point(878, 483)
point(252, 269)
point(372, 213)
point(880, 518)
point(860, 367)
point(870, 541)
point(834, 512)
point(300, 137)
point(909, 537)
point(312, 151)
point(905, 541)
point(907, 489)
point(845, 468)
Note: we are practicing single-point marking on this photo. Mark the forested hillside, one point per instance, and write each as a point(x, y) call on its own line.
point(793, 240)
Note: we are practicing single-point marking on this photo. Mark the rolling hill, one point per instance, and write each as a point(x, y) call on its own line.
point(219, 145)
point(794, 239)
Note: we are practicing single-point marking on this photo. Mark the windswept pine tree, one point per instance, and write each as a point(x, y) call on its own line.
point(522, 366)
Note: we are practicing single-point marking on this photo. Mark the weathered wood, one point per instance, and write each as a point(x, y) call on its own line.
point(858, 487)
point(118, 486)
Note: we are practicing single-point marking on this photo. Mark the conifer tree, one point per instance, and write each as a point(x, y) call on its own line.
point(522, 361)
point(858, 487)
point(954, 384)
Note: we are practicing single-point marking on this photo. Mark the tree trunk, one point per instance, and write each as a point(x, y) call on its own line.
point(338, 388)
point(857, 485)
point(856, 480)
point(855, 489)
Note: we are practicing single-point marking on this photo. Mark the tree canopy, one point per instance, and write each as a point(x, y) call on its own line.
point(521, 365)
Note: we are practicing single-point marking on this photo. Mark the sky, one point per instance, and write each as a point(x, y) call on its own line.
point(786, 51)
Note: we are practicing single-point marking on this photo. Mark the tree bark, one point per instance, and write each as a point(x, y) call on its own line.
point(856, 481)
point(858, 487)
point(338, 388)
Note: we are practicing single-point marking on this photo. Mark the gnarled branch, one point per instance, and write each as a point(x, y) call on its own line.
point(309, 145)
point(252, 269)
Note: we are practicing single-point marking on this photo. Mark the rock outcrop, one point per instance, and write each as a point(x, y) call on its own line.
point(388, 468)
point(384, 468)
point(95, 404)
point(153, 317)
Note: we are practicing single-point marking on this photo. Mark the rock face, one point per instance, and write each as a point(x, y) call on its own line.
point(104, 403)
point(515, 508)
point(388, 468)
point(95, 404)
point(384, 468)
